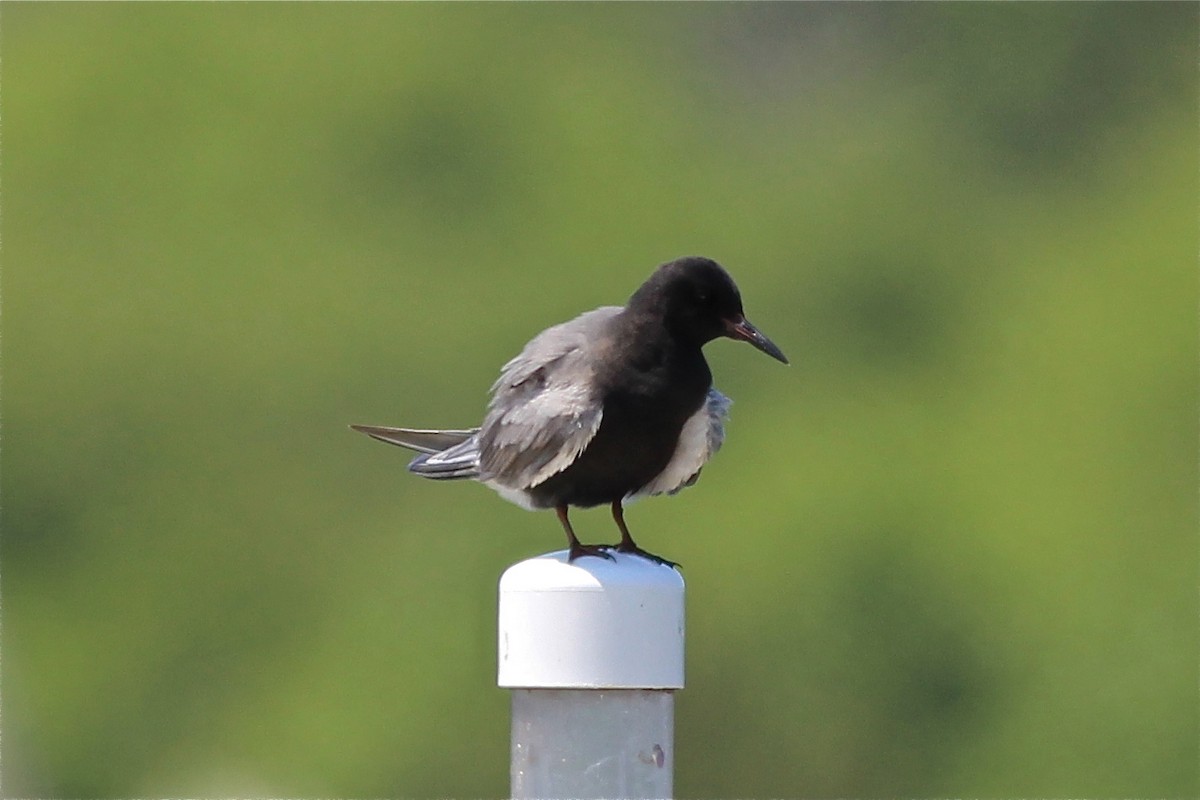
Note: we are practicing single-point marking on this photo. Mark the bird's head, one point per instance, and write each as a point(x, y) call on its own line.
point(699, 302)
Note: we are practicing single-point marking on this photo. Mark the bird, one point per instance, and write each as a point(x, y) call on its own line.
point(614, 405)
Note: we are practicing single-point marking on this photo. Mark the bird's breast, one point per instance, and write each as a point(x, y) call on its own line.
point(636, 442)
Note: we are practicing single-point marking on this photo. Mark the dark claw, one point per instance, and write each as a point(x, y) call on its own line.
point(637, 551)
point(578, 550)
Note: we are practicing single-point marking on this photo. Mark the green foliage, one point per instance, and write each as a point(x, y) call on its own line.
point(950, 551)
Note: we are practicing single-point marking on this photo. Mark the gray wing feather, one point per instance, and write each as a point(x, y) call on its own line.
point(444, 454)
point(423, 441)
point(701, 437)
point(543, 411)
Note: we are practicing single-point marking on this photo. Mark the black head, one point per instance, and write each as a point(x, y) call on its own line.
point(698, 302)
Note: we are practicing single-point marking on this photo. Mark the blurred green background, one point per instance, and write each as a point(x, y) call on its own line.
point(951, 551)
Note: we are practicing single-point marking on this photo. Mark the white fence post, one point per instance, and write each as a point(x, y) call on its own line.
point(593, 652)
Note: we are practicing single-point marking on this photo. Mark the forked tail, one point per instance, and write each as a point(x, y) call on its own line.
point(444, 454)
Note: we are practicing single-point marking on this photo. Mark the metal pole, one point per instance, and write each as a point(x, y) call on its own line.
point(593, 652)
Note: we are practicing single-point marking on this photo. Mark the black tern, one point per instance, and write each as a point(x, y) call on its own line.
point(614, 405)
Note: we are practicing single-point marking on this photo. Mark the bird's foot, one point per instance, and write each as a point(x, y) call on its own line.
point(599, 550)
point(634, 550)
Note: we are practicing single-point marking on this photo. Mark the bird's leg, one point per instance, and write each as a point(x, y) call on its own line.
point(627, 545)
point(577, 549)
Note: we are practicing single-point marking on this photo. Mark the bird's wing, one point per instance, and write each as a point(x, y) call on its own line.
point(444, 454)
point(701, 437)
point(422, 441)
point(544, 409)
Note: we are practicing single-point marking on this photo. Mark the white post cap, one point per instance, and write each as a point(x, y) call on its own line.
point(591, 624)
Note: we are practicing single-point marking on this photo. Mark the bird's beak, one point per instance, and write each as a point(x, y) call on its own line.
point(740, 328)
